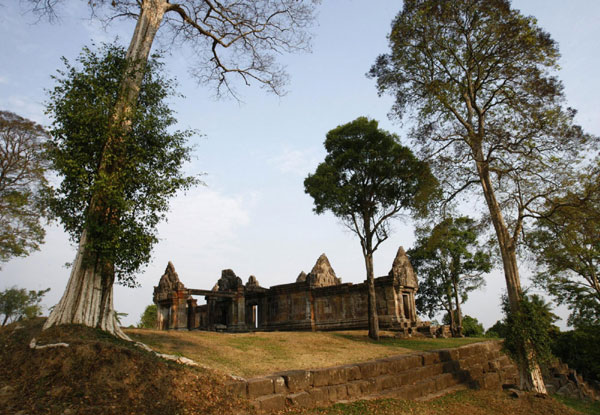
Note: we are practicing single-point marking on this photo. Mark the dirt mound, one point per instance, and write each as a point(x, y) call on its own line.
point(99, 374)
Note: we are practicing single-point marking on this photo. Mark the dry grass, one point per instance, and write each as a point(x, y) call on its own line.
point(253, 354)
point(471, 402)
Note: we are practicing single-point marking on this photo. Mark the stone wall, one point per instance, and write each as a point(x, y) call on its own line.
point(408, 376)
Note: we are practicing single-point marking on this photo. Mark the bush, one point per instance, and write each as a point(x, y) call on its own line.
point(148, 318)
point(580, 350)
point(472, 327)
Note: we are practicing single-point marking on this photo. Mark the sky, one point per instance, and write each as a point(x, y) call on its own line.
point(252, 214)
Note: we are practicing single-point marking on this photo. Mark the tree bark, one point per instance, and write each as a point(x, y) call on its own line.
point(88, 298)
point(372, 298)
point(459, 328)
point(530, 373)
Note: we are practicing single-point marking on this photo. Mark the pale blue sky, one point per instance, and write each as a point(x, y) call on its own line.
point(253, 215)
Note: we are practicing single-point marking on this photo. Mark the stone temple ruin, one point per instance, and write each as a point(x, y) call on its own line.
point(316, 301)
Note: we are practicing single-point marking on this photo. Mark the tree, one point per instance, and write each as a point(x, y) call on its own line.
point(16, 303)
point(229, 37)
point(366, 180)
point(472, 327)
point(450, 263)
point(148, 318)
point(533, 319)
point(22, 168)
point(487, 109)
point(498, 330)
point(119, 237)
point(566, 247)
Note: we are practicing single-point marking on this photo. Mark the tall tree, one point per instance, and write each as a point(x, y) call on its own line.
point(119, 237)
point(231, 37)
point(566, 247)
point(22, 168)
point(478, 78)
point(366, 180)
point(450, 263)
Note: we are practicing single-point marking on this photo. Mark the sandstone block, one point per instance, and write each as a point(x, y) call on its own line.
point(448, 354)
point(352, 372)
point(320, 377)
point(301, 399)
point(279, 385)
point(336, 375)
point(431, 358)
point(271, 403)
point(354, 389)
point(490, 381)
point(337, 392)
point(259, 387)
point(371, 369)
point(445, 381)
point(297, 380)
point(405, 362)
point(319, 395)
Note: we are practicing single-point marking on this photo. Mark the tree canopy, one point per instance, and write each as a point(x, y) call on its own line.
point(22, 170)
point(450, 263)
point(150, 161)
point(478, 80)
point(366, 180)
point(566, 247)
point(16, 303)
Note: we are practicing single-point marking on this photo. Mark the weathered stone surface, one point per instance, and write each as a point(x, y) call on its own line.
point(337, 392)
point(354, 389)
point(260, 387)
point(490, 381)
point(404, 362)
point(271, 403)
point(322, 274)
point(297, 380)
point(352, 372)
point(319, 395)
point(402, 271)
point(279, 385)
point(170, 280)
point(229, 281)
point(301, 399)
point(301, 277)
point(252, 282)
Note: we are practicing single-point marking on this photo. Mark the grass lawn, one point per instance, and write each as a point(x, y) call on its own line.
point(254, 354)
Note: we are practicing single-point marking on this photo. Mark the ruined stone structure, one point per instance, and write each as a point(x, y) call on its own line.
point(316, 301)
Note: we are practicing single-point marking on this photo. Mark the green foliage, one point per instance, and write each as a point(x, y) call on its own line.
point(477, 79)
point(566, 246)
point(472, 327)
point(531, 327)
point(16, 303)
point(22, 168)
point(498, 330)
point(148, 318)
point(367, 178)
point(146, 153)
point(579, 349)
point(450, 263)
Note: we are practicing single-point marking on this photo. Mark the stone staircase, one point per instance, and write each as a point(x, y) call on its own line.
point(408, 376)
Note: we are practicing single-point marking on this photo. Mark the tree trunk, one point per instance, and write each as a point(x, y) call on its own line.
point(530, 373)
point(5, 320)
point(372, 298)
point(451, 314)
point(459, 328)
point(88, 298)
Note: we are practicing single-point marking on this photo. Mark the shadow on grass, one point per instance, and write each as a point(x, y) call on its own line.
point(583, 406)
